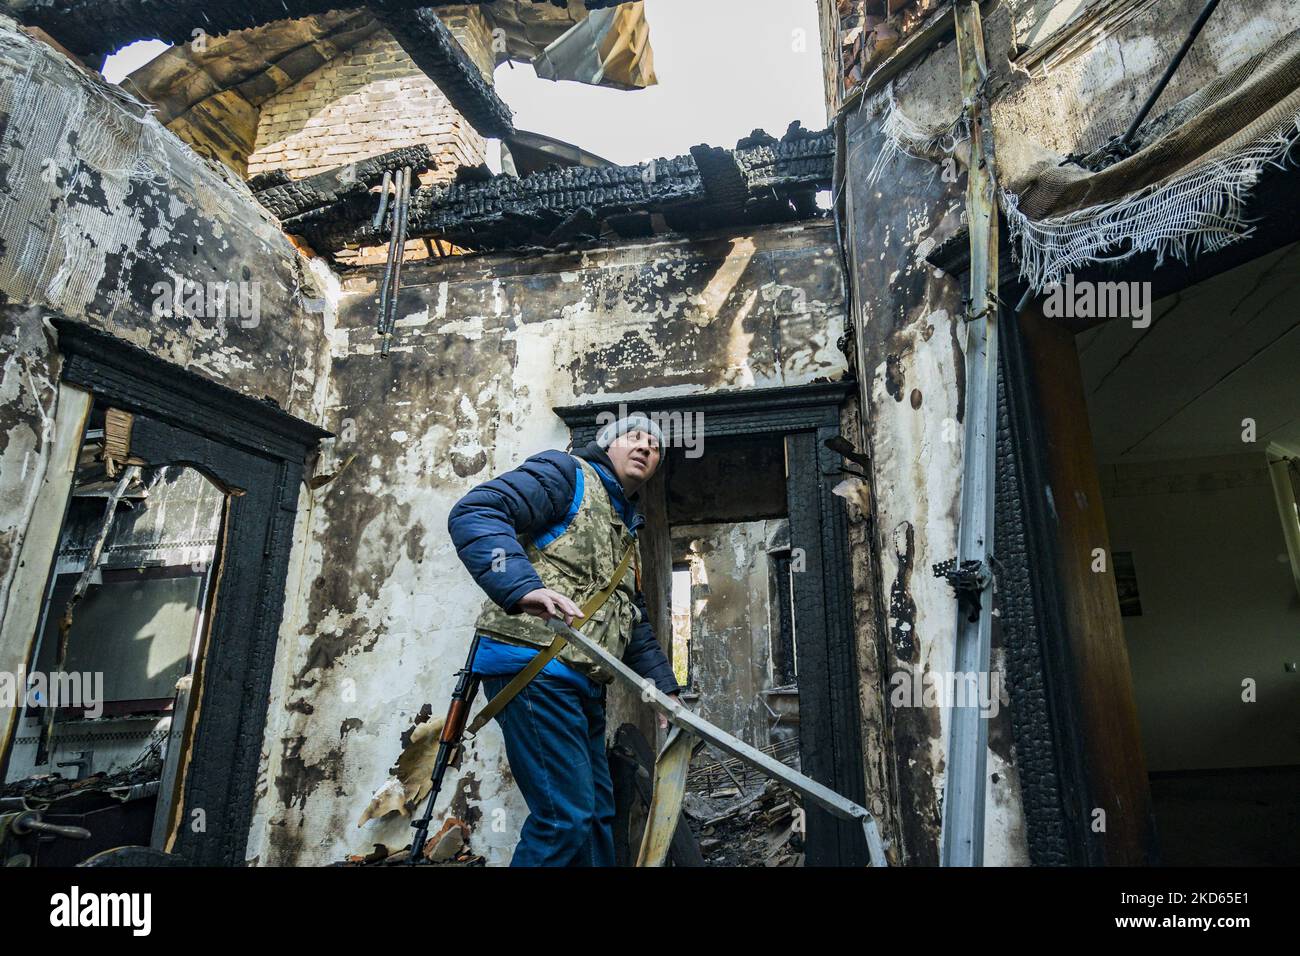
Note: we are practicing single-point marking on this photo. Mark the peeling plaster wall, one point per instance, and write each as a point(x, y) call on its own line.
point(486, 346)
point(102, 213)
point(1093, 83)
point(911, 359)
point(910, 340)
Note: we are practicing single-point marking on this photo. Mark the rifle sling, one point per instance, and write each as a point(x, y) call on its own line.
point(549, 653)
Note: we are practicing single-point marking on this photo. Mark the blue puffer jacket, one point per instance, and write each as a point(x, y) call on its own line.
point(532, 498)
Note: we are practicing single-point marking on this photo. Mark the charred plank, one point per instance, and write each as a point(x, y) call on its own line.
point(774, 182)
point(272, 177)
point(437, 52)
point(291, 199)
point(724, 182)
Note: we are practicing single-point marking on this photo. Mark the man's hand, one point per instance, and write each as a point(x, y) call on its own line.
point(663, 719)
point(546, 604)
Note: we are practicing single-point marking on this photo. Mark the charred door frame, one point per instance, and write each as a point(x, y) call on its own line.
point(1035, 591)
point(830, 736)
point(243, 444)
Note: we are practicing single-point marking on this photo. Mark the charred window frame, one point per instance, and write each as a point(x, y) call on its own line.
point(258, 451)
point(806, 417)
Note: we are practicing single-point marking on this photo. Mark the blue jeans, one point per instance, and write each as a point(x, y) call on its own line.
point(555, 742)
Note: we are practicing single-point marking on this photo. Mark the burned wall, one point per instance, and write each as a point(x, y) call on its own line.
point(485, 347)
point(910, 342)
point(1065, 77)
point(108, 218)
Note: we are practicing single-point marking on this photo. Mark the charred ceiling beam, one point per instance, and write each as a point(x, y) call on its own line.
point(433, 48)
point(724, 182)
point(289, 199)
point(90, 27)
point(780, 180)
point(272, 177)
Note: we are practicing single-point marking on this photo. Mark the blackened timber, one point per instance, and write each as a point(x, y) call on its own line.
point(272, 177)
point(502, 212)
point(297, 197)
point(90, 27)
point(437, 52)
point(724, 183)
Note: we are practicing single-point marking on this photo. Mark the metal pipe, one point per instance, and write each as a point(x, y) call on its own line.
point(403, 211)
point(1169, 71)
point(383, 199)
point(384, 285)
point(962, 834)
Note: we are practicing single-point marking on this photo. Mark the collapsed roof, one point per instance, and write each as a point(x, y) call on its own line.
point(763, 180)
point(210, 93)
point(98, 27)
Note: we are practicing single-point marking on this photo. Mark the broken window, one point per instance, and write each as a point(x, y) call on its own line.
point(106, 689)
point(681, 608)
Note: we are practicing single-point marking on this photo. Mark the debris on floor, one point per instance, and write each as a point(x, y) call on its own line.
point(762, 826)
point(448, 847)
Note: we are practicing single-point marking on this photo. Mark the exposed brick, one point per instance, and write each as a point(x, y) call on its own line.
point(367, 101)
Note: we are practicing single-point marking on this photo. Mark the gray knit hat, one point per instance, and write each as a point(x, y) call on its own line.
point(629, 424)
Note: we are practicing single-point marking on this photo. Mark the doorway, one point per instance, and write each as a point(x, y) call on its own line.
point(1195, 422)
point(745, 525)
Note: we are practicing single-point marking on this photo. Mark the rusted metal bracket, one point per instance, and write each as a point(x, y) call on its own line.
point(967, 581)
point(693, 724)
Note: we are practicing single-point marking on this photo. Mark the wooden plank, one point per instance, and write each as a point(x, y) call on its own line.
point(1116, 775)
point(656, 573)
point(827, 717)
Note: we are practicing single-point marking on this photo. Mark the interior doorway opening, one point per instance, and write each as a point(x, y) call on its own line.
point(1195, 420)
point(730, 536)
point(733, 630)
point(766, 458)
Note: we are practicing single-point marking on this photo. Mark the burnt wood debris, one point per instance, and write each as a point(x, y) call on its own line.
point(433, 48)
point(763, 180)
point(285, 198)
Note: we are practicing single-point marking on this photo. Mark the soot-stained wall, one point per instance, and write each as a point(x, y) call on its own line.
point(1073, 83)
point(104, 217)
point(911, 361)
point(485, 347)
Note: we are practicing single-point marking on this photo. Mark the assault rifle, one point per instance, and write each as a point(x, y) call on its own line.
point(453, 729)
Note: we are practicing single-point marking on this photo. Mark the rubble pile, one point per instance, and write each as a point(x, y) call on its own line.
point(758, 827)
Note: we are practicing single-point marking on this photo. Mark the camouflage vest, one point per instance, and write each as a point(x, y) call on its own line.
point(577, 557)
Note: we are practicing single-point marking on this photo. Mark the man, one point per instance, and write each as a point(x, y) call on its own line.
point(542, 540)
